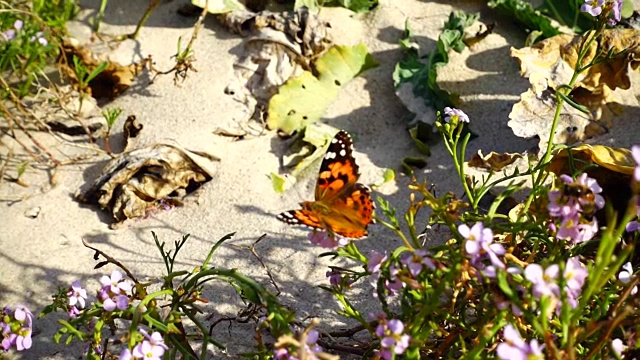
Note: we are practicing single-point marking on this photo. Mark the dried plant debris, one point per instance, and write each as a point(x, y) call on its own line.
point(493, 160)
point(112, 81)
point(550, 63)
point(59, 109)
point(279, 46)
point(138, 182)
point(131, 129)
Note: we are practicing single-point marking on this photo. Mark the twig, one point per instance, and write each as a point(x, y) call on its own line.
point(109, 259)
point(253, 251)
point(9, 118)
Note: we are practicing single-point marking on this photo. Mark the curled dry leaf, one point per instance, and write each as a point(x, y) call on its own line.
point(613, 171)
point(493, 160)
point(110, 83)
point(550, 63)
point(279, 46)
point(138, 182)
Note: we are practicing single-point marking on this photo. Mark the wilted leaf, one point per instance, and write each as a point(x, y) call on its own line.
point(303, 100)
point(138, 182)
point(493, 160)
point(550, 63)
point(109, 79)
point(618, 160)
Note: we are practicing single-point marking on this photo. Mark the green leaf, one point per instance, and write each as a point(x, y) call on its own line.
point(568, 13)
point(278, 182)
point(219, 7)
point(525, 14)
point(389, 175)
point(303, 100)
point(422, 71)
point(103, 65)
point(422, 134)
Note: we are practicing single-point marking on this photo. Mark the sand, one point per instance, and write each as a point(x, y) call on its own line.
point(40, 254)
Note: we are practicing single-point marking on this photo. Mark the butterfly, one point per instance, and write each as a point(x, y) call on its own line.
point(342, 206)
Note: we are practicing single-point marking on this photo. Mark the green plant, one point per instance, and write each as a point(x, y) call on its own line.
point(157, 316)
point(110, 115)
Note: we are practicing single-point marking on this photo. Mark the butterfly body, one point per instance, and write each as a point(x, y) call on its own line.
point(342, 205)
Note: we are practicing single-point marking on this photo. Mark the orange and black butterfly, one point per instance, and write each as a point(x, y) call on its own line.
point(342, 206)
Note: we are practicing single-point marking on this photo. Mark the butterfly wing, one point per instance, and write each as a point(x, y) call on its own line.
point(342, 205)
point(300, 217)
point(351, 213)
point(339, 170)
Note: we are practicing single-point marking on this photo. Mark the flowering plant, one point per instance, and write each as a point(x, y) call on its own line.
point(153, 317)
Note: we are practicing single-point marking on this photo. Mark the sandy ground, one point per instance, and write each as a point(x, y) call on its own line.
point(38, 255)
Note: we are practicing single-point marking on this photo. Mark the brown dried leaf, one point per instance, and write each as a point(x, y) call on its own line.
point(137, 182)
point(493, 160)
point(110, 83)
point(550, 63)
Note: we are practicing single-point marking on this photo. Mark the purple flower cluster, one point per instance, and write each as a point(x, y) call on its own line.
point(16, 327)
point(76, 297)
point(417, 261)
point(545, 281)
point(338, 279)
point(574, 205)
point(10, 34)
point(480, 247)
point(115, 292)
point(595, 7)
point(311, 348)
point(392, 339)
point(152, 347)
point(514, 347)
point(392, 284)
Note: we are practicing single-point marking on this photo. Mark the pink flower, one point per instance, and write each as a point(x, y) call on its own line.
point(454, 115)
point(323, 239)
point(592, 7)
point(479, 244)
point(544, 281)
point(417, 260)
point(515, 348)
point(392, 338)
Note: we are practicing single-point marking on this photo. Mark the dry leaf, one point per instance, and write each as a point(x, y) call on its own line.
point(550, 63)
point(136, 182)
point(493, 160)
point(111, 82)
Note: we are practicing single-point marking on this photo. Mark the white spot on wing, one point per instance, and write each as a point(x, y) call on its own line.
point(330, 155)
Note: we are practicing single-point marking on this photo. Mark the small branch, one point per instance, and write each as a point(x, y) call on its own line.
point(109, 259)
